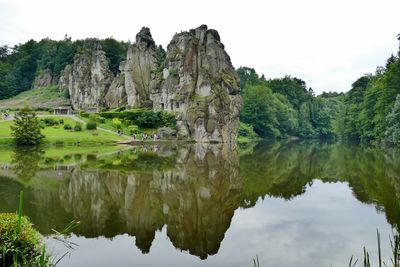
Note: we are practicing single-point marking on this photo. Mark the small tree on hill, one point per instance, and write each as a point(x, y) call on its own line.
point(26, 128)
point(392, 134)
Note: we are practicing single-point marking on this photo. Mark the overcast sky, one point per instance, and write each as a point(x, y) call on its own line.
point(328, 44)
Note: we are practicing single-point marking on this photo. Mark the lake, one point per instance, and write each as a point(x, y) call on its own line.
point(291, 204)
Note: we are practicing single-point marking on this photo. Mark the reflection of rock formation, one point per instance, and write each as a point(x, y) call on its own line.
point(193, 190)
point(195, 197)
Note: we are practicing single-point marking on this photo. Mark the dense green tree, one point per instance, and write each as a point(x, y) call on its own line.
point(294, 89)
point(369, 103)
point(248, 76)
point(26, 129)
point(115, 52)
point(392, 133)
point(285, 107)
point(353, 104)
point(265, 111)
point(5, 69)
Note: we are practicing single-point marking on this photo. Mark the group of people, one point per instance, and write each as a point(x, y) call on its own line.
point(145, 137)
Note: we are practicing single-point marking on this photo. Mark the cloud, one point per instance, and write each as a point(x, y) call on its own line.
point(329, 44)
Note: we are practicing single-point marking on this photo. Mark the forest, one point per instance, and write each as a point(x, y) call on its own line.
point(368, 113)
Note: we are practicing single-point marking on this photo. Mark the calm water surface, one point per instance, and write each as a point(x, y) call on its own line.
point(292, 204)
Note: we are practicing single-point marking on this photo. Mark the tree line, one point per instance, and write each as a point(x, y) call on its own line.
point(279, 108)
point(369, 113)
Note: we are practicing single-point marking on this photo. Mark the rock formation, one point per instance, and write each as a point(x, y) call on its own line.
point(194, 79)
point(43, 79)
point(201, 85)
point(89, 78)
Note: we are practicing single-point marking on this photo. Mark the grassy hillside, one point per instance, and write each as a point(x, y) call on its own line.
point(38, 98)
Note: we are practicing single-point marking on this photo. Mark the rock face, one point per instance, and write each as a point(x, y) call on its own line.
point(44, 79)
point(200, 84)
point(88, 79)
point(131, 86)
point(194, 79)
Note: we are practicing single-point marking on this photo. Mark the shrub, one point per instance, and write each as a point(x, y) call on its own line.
point(167, 119)
point(48, 121)
point(26, 242)
point(91, 125)
point(145, 118)
point(61, 121)
point(247, 130)
point(173, 71)
point(84, 114)
point(78, 127)
point(133, 129)
point(97, 118)
point(117, 124)
point(67, 126)
point(148, 119)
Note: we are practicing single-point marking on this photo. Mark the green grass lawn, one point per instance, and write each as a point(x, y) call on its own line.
point(59, 135)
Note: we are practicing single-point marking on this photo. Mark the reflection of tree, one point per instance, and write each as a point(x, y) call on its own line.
point(194, 190)
point(284, 170)
point(25, 161)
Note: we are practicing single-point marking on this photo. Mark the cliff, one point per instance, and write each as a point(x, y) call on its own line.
point(194, 79)
point(89, 78)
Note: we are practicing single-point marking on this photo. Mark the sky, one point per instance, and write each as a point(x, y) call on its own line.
point(328, 44)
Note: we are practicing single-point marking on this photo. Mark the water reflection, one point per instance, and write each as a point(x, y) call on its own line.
point(192, 191)
point(284, 170)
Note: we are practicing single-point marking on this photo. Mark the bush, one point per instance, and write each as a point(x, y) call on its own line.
point(84, 114)
point(13, 244)
point(91, 125)
point(117, 124)
point(167, 119)
point(247, 131)
point(145, 118)
point(148, 119)
point(78, 127)
point(133, 129)
point(61, 121)
point(67, 126)
point(173, 71)
point(97, 118)
point(48, 121)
